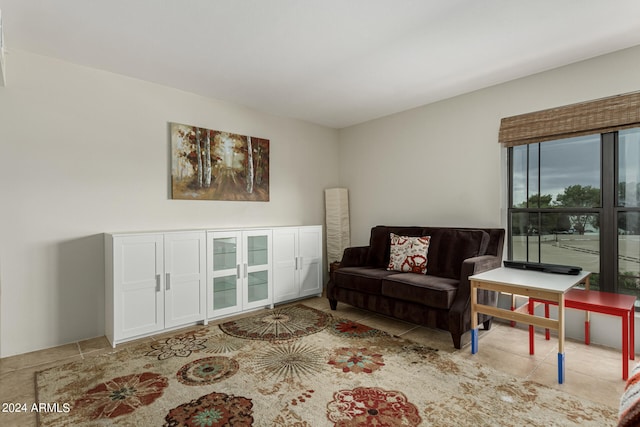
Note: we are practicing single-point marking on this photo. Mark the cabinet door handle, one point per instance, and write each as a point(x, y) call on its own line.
point(237, 271)
point(157, 283)
point(296, 263)
point(167, 281)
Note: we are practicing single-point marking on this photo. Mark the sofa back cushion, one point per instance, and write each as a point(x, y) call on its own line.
point(452, 248)
point(448, 247)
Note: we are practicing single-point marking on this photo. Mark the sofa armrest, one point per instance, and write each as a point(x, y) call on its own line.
point(354, 256)
point(460, 312)
point(478, 264)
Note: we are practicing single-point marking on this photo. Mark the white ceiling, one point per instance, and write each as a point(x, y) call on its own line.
point(331, 62)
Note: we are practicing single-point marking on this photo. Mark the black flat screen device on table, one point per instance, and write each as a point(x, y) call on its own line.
point(545, 268)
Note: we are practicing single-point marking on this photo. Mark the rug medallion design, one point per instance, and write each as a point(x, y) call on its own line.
point(372, 406)
point(349, 328)
point(122, 395)
point(356, 360)
point(280, 324)
point(180, 346)
point(297, 366)
point(207, 370)
point(214, 409)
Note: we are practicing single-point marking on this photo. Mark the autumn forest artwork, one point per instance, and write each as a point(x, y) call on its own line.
point(214, 165)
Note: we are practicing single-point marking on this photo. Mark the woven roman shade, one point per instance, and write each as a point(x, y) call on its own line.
point(599, 116)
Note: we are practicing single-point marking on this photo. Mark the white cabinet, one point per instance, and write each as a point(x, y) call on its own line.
point(239, 275)
point(158, 281)
point(154, 282)
point(297, 262)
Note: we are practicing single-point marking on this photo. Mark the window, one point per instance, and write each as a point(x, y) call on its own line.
point(628, 212)
point(576, 201)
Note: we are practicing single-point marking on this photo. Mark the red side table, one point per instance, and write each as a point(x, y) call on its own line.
point(598, 302)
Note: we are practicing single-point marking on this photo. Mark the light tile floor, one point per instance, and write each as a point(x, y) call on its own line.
point(592, 372)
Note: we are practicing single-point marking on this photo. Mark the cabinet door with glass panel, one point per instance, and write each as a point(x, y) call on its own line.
point(224, 275)
point(256, 269)
point(239, 266)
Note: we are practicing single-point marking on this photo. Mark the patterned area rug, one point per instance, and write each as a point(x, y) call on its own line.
point(297, 366)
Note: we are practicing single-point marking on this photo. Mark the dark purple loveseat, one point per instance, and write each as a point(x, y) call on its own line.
point(440, 298)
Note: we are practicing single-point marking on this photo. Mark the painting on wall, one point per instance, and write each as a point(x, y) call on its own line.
point(215, 165)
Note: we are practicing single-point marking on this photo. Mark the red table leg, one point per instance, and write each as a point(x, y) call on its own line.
point(531, 330)
point(546, 314)
point(632, 334)
point(587, 329)
point(625, 346)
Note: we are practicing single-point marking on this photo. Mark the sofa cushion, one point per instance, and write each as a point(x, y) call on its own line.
point(364, 279)
point(408, 254)
point(432, 291)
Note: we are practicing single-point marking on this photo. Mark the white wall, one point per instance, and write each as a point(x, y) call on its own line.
point(422, 167)
point(441, 164)
point(85, 151)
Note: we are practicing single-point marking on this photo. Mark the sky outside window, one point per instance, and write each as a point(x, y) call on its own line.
point(563, 163)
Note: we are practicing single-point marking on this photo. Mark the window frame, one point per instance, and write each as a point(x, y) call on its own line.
point(607, 211)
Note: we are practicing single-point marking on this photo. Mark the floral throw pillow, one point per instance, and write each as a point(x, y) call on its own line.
point(409, 254)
